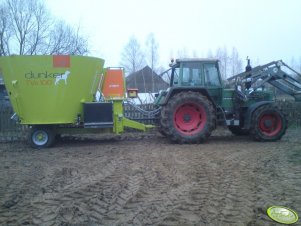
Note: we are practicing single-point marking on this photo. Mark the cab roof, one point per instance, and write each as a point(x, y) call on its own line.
point(197, 60)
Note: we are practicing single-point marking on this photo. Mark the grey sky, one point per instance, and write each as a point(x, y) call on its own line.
point(261, 29)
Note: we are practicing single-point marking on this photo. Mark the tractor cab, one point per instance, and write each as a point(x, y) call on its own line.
point(196, 73)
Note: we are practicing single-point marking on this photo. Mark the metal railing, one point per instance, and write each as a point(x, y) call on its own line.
point(10, 130)
point(145, 113)
point(292, 110)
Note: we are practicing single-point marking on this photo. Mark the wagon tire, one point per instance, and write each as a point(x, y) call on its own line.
point(41, 137)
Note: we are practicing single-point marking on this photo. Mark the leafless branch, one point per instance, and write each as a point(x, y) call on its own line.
point(26, 28)
point(132, 58)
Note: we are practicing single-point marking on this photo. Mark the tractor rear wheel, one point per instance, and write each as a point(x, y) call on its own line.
point(41, 137)
point(162, 128)
point(268, 123)
point(188, 117)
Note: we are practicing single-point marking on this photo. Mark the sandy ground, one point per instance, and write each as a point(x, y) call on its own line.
point(144, 180)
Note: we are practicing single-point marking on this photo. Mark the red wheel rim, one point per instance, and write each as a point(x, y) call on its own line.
point(270, 124)
point(190, 118)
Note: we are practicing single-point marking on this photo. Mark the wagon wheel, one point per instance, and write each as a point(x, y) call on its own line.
point(268, 123)
point(41, 137)
point(188, 118)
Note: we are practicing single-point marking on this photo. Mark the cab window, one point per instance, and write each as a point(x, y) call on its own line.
point(191, 74)
point(211, 75)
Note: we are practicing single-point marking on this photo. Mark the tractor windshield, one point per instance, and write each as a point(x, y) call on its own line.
point(187, 74)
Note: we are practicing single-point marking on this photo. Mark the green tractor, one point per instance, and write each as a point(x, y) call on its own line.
point(197, 102)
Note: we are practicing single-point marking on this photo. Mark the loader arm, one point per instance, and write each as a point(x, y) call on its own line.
point(276, 73)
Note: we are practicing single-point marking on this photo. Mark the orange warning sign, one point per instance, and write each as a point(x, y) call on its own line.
point(61, 61)
point(113, 85)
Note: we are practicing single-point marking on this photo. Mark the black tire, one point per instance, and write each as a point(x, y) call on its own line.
point(162, 128)
point(188, 117)
point(268, 123)
point(162, 131)
point(236, 130)
point(41, 137)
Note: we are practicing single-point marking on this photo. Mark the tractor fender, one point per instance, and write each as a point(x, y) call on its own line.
point(251, 109)
point(175, 90)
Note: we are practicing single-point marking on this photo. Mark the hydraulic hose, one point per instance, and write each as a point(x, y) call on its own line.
point(142, 111)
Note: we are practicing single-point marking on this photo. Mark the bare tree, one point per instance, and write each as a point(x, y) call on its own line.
point(5, 31)
point(66, 40)
point(152, 54)
point(293, 63)
point(29, 24)
point(195, 54)
point(26, 28)
point(235, 63)
point(182, 53)
point(152, 51)
point(222, 56)
point(229, 64)
point(209, 54)
point(132, 58)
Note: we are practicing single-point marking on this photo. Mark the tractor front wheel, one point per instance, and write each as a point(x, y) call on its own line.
point(268, 123)
point(41, 137)
point(188, 117)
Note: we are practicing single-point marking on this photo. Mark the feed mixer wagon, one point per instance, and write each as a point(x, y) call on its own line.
point(65, 94)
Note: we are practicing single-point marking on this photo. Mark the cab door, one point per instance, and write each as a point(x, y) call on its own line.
point(212, 81)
